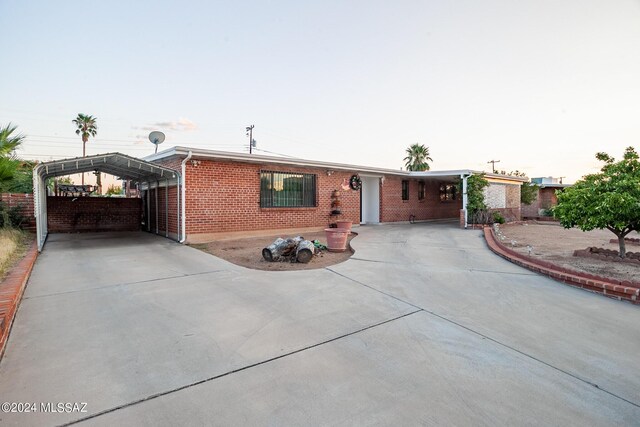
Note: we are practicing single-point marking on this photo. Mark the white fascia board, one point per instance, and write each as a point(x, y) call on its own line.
point(202, 154)
point(452, 173)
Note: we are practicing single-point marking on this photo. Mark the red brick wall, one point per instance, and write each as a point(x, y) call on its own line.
point(224, 196)
point(12, 200)
point(80, 214)
point(546, 199)
point(532, 210)
point(393, 208)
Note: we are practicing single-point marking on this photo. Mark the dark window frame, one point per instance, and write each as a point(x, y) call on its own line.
point(405, 189)
point(302, 195)
point(448, 192)
point(421, 190)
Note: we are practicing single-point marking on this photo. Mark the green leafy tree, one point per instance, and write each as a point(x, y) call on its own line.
point(417, 158)
point(475, 193)
point(113, 190)
point(528, 193)
point(609, 199)
point(86, 127)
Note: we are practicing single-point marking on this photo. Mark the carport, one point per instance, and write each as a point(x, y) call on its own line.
point(154, 180)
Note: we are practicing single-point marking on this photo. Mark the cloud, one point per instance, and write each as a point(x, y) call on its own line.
point(180, 125)
point(187, 124)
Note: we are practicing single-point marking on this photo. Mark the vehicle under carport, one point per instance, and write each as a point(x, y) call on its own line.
point(159, 202)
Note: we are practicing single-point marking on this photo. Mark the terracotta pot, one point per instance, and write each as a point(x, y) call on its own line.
point(336, 239)
point(346, 225)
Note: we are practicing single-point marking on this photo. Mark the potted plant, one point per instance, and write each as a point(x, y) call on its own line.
point(336, 239)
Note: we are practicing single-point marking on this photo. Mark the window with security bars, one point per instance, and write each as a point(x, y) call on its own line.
point(287, 190)
point(421, 186)
point(448, 192)
point(405, 190)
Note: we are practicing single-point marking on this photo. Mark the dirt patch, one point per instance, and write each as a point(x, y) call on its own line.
point(247, 252)
point(553, 243)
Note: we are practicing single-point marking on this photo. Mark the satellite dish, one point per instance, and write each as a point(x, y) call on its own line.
point(156, 137)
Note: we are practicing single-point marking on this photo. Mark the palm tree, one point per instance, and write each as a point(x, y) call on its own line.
point(86, 127)
point(9, 162)
point(9, 143)
point(417, 158)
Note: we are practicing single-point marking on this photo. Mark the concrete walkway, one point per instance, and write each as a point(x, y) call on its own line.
point(422, 326)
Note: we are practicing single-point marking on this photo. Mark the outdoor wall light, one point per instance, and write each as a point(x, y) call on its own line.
point(329, 172)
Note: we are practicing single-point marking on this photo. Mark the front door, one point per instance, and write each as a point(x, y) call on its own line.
point(370, 200)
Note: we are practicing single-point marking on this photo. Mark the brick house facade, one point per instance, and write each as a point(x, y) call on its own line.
point(223, 194)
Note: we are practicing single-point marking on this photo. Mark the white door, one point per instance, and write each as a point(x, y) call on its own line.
point(370, 200)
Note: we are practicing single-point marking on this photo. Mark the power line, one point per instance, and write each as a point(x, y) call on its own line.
point(271, 152)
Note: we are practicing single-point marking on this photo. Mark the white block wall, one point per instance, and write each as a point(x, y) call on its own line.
point(495, 196)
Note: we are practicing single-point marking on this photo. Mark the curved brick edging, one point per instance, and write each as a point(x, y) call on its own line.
point(11, 290)
point(622, 290)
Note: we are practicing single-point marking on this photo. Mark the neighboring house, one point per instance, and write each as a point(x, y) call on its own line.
point(546, 197)
point(234, 193)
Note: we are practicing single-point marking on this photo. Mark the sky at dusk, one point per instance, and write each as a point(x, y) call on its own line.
point(541, 85)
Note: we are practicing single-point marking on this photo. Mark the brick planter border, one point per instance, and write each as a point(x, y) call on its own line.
point(11, 290)
point(621, 290)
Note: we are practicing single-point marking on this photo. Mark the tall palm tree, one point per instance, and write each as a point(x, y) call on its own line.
point(417, 158)
point(86, 127)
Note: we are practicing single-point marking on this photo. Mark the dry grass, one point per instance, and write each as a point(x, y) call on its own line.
point(13, 245)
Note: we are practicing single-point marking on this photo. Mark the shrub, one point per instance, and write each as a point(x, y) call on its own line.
point(12, 217)
point(497, 217)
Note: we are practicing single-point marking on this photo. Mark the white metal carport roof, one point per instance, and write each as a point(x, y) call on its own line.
point(150, 175)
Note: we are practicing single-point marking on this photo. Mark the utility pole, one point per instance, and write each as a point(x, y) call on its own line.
point(493, 164)
point(250, 133)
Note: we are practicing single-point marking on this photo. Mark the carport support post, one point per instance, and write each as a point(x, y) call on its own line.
point(148, 206)
point(464, 198)
point(156, 197)
point(178, 198)
point(166, 207)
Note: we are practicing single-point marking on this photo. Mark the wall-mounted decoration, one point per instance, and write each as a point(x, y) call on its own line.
point(355, 182)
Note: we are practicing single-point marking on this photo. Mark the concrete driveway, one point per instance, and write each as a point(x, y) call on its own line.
point(422, 326)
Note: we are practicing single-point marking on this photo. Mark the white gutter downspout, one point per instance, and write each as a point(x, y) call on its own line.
point(184, 196)
point(464, 198)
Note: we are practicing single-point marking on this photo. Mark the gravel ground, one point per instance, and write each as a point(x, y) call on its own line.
point(556, 244)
